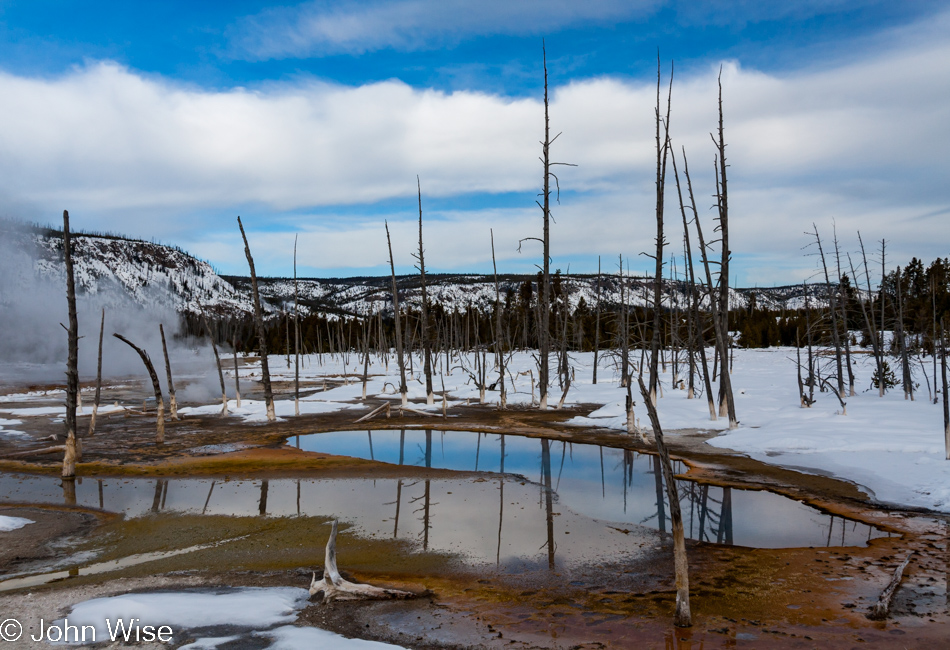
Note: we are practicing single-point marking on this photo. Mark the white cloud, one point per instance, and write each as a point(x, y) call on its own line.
point(314, 29)
point(321, 28)
point(863, 143)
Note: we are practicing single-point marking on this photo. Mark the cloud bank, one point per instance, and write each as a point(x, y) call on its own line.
point(863, 143)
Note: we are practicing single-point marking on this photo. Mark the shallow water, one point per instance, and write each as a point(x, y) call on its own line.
point(551, 503)
point(607, 484)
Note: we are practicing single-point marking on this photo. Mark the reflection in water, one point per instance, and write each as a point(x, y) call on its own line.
point(69, 491)
point(548, 498)
point(501, 500)
point(474, 518)
point(262, 503)
point(210, 490)
point(769, 520)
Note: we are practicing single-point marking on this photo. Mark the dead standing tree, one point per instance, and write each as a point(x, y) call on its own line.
point(662, 148)
point(72, 358)
point(499, 348)
point(597, 324)
point(544, 317)
point(172, 403)
point(217, 361)
point(877, 343)
point(725, 381)
point(296, 338)
point(722, 205)
point(946, 397)
point(693, 298)
point(424, 323)
point(833, 311)
point(403, 390)
point(159, 402)
point(95, 404)
point(261, 334)
point(682, 617)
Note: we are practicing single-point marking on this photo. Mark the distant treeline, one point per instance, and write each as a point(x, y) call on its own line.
point(924, 302)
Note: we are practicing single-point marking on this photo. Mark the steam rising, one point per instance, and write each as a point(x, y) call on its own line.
point(33, 344)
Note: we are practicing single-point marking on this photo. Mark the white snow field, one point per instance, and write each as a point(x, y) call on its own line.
point(240, 613)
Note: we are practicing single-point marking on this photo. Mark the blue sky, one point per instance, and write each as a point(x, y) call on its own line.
point(165, 120)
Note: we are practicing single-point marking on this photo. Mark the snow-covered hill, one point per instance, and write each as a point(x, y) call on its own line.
point(363, 296)
point(156, 274)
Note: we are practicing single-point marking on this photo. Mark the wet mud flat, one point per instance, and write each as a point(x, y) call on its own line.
point(741, 596)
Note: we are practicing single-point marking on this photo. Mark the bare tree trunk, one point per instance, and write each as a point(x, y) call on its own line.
point(844, 315)
point(876, 343)
point(499, 348)
point(159, 402)
point(597, 325)
point(946, 398)
point(682, 618)
point(173, 404)
point(296, 336)
point(366, 355)
point(880, 293)
point(543, 321)
point(662, 148)
point(217, 361)
point(811, 356)
point(237, 376)
point(725, 381)
point(722, 203)
point(624, 332)
point(801, 386)
point(403, 390)
point(832, 308)
point(701, 343)
point(693, 298)
point(261, 334)
point(906, 378)
point(933, 302)
point(426, 343)
point(95, 404)
point(72, 358)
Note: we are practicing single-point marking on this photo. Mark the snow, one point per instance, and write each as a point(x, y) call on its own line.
point(4, 431)
point(243, 613)
point(290, 637)
point(58, 411)
point(256, 410)
point(13, 523)
point(892, 447)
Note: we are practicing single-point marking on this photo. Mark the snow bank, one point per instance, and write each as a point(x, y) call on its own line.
point(240, 613)
point(12, 523)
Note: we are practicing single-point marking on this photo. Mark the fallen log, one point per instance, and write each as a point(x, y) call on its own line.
point(31, 452)
point(883, 605)
point(375, 412)
point(416, 412)
point(334, 587)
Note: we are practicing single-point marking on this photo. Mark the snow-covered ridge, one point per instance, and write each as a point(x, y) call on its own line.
point(364, 296)
point(156, 274)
